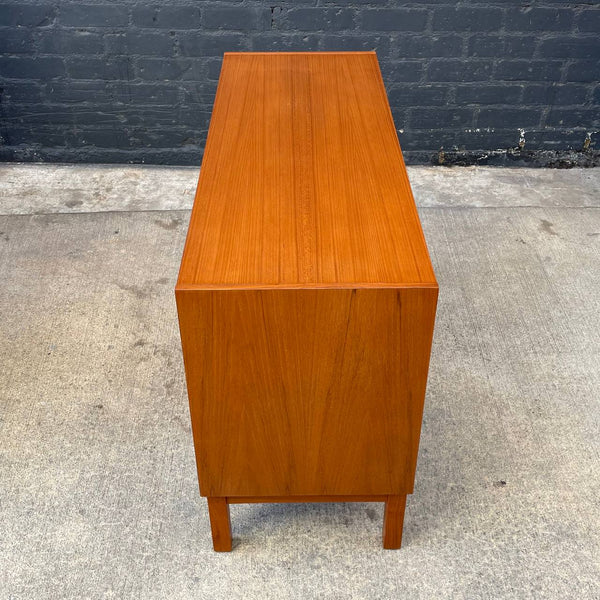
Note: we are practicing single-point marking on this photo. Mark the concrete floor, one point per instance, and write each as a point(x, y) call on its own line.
point(98, 489)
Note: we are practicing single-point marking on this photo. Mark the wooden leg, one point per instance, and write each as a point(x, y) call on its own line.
point(220, 524)
point(393, 520)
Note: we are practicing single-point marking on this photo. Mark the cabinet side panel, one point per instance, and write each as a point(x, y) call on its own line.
point(306, 392)
point(418, 320)
point(374, 409)
point(194, 337)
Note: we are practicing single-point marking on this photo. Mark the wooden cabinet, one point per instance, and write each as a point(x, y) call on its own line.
point(306, 296)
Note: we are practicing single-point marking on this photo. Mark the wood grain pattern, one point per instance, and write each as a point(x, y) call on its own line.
point(306, 392)
point(306, 296)
point(393, 521)
point(220, 524)
point(302, 181)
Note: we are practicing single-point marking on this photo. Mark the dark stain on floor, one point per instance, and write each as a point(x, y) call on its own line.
point(73, 203)
point(138, 292)
point(170, 224)
point(547, 226)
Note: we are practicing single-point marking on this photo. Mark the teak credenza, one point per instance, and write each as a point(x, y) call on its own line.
point(306, 296)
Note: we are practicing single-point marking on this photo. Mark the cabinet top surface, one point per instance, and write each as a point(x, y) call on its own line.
point(302, 182)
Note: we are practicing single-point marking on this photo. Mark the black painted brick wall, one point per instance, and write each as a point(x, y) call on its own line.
point(106, 81)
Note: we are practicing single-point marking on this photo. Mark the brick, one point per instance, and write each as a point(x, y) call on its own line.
point(147, 16)
point(357, 2)
point(486, 46)
point(507, 46)
point(528, 70)
point(539, 19)
point(565, 95)
point(421, 140)
point(74, 92)
point(509, 117)
point(409, 45)
point(444, 118)
point(170, 17)
point(394, 19)
point(570, 47)
point(210, 44)
point(75, 114)
point(359, 42)
point(107, 137)
point(488, 94)
point(99, 68)
point(93, 15)
point(179, 156)
point(281, 42)
point(23, 92)
point(108, 117)
point(157, 69)
point(411, 139)
point(242, 18)
point(141, 94)
point(214, 68)
point(67, 41)
point(538, 93)
point(459, 70)
point(38, 135)
point(159, 116)
point(402, 70)
point(164, 116)
point(141, 42)
point(26, 15)
point(584, 70)
point(198, 93)
point(418, 95)
point(194, 116)
point(400, 116)
point(458, 139)
point(317, 19)
point(42, 68)
point(588, 118)
point(589, 20)
point(467, 19)
point(160, 69)
point(555, 139)
point(16, 40)
point(100, 114)
point(519, 47)
point(174, 137)
point(195, 71)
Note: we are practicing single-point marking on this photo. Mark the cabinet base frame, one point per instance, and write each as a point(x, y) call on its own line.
point(220, 521)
